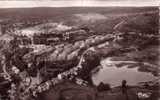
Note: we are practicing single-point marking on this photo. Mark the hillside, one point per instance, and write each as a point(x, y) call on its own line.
point(54, 52)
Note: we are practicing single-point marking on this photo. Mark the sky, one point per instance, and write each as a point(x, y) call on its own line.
point(76, 3)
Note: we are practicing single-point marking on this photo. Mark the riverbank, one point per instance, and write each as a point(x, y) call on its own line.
point(71, 91)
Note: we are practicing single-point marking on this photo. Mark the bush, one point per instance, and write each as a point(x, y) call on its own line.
point(103, 87)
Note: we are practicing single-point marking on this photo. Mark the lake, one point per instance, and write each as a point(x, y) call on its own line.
point(113, 75)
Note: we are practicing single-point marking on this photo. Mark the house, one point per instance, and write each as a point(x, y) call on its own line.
point(47, 39)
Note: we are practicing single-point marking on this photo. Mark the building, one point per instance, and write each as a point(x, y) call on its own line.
point(47, 39)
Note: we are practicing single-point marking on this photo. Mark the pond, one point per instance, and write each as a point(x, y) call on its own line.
point(113, 75)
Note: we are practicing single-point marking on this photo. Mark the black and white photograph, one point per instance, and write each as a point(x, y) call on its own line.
point(79, 50)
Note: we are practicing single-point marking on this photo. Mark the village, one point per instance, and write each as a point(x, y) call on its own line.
point(38, 56)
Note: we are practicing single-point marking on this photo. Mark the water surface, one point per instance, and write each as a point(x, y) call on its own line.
point(113, 75)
